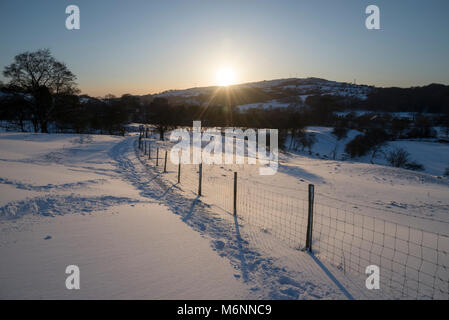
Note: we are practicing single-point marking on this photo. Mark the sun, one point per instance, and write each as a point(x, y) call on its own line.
point(225, 77)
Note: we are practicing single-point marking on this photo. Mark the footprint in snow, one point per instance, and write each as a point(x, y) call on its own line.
point(219, 245)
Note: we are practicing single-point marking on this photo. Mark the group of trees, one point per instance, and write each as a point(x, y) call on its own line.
point(371, 140)
point(43, 91)
point(433, 98)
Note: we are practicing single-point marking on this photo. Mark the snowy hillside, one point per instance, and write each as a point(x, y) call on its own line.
point(101, 203)
point(433, 155)
point(292, 87)
point(90, 201)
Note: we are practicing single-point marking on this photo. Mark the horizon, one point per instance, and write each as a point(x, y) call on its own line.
point(150, 47)
point(258, 81)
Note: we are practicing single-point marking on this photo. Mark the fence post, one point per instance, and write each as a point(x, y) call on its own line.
point(200, 178)
point(165, 162)
point(179, 170)
point(310, 218)
point(149, 150)
point(235, 193)
point(145, 147)
point(157, 157)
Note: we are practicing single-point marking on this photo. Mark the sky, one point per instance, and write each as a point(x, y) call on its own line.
point(144, 46)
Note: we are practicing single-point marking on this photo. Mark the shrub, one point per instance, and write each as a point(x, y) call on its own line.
point(446, 172)
point(425, 132)
point(400, 158)
point(356, 147)
point(413, 165)
point(340, 132)
point(362, 144)
point(307, 141)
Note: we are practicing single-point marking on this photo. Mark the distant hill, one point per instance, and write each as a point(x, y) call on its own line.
point(433, 98)
point(283, 91)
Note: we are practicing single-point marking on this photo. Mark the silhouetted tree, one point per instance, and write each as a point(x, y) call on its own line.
point(161, 115)
point(41, 76)
point(340, 132)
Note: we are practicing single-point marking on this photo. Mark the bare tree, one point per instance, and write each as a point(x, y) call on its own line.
point(41, 76)
point(376, 149)
point(307, 141)
point(161, 115)
point(398, 157)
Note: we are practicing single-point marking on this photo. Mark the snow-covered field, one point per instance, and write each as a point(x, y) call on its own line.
point(434, 156)
point(64, 201)
point(91, 202)
point(100, 203)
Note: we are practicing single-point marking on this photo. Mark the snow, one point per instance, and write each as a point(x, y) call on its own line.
point(432, 154)
point(72, 192)
point(99, 203)
point(359, 194)
point(263, 105)
point(394, 205)
point(91, 202)
point(125, 252)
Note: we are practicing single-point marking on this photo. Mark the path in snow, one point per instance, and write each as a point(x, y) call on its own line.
point(100, 207)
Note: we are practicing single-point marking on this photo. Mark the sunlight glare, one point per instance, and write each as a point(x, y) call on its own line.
point(225, 77)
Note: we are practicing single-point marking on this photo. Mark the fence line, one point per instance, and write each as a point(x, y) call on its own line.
point(414, 263)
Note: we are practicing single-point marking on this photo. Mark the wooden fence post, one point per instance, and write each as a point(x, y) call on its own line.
point(165, 162)
point(200, 178)
point(179, 170)
point(310, 218)
point(235, 193)
point(157, 157)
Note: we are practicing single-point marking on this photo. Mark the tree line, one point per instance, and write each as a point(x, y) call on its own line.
point(43, 91)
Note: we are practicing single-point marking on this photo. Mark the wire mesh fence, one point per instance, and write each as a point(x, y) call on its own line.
point(414, 263)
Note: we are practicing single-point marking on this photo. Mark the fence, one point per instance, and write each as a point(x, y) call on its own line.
point(414, 263)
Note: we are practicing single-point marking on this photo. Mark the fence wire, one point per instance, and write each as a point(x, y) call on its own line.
point(414, 263)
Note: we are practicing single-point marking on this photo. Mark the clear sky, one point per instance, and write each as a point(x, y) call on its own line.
point(144, 46)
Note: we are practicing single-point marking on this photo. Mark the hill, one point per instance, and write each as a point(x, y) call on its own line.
point(433, 98)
